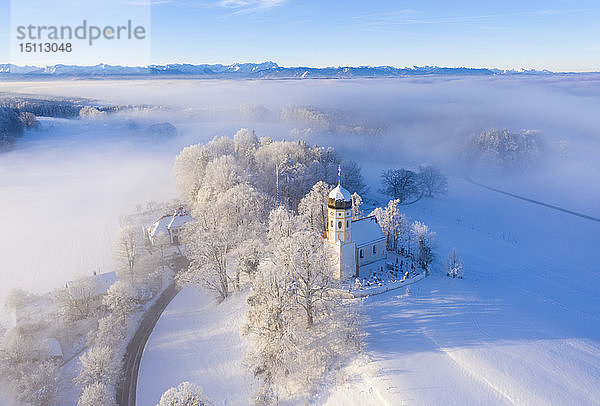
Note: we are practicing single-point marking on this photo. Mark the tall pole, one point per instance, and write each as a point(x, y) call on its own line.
point(277, 184)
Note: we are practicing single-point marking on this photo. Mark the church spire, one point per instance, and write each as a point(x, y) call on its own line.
point(339, 175)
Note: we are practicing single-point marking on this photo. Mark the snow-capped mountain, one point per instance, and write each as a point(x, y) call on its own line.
point(264, 70)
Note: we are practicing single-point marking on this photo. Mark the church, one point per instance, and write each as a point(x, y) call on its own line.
point(356, 246)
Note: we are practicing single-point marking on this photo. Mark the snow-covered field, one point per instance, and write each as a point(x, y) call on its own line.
point(197, 341)
point(522, 328)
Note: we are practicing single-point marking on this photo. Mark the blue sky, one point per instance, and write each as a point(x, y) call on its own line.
point(561, 35)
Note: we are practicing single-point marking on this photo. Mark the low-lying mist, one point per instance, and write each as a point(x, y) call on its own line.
point(64, 186)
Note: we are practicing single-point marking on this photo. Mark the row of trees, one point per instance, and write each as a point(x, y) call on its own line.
point(404, 185)
point(141, 271)
point(281, 170)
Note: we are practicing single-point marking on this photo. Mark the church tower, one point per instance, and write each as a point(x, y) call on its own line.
point(339, 214)
point(339, 230)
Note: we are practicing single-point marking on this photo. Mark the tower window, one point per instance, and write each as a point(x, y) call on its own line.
point(331, 223)
point(347, 223)
point(374, 249)
point(339, 224)
point(361, 254)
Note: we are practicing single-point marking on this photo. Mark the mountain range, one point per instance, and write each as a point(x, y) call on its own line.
point(264, 70)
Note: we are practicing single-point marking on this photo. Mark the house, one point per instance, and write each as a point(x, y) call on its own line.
point(169, 225)
point(90, 286)
point(357, 247)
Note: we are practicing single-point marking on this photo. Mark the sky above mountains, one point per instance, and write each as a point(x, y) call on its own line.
point(560, 35)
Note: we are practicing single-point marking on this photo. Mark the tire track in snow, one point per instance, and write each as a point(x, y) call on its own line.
point(551, 206)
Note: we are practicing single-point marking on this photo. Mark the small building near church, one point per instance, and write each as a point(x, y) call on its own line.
point(356, 246)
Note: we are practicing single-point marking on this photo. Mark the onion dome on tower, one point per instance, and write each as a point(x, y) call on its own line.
point(339, 198)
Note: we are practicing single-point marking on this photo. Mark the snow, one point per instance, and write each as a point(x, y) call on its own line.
point(341, 194)
point(521, 328)
point(366, 230)
point(161, 226)
point(179, 220)
point(198, 341)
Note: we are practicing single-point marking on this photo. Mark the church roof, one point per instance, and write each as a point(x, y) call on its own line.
point(366, 230)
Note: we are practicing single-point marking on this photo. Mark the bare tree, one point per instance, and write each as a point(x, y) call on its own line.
point(431, 181)
point(454, 265)
point(126, 250)
point(400, 184)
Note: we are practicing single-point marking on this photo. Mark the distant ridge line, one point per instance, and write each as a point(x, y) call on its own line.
point(263, 70)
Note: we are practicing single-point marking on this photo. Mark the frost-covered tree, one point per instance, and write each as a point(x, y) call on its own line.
point(282, 224)
point(78, 300)
point(431, 181)
point(185, 394)
point(393, 224)
point(207, 250)
point(122, 298)
point(303, 257)
point(29, 120)
point(126, 250)
point(454, 265)
point(288, 354)
point(18, 298)
point(270, 321)
point(248, 257)
point(357, 201)
point(245, 144)
point(313, 207)
point(503, 148)
point(96, 394)
point(423, 238)
point(99, 364)
point(189, 169)
point(32, 380)
point(39, 384)
point(400, 184)
point(111, 332)
point(221, 174)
